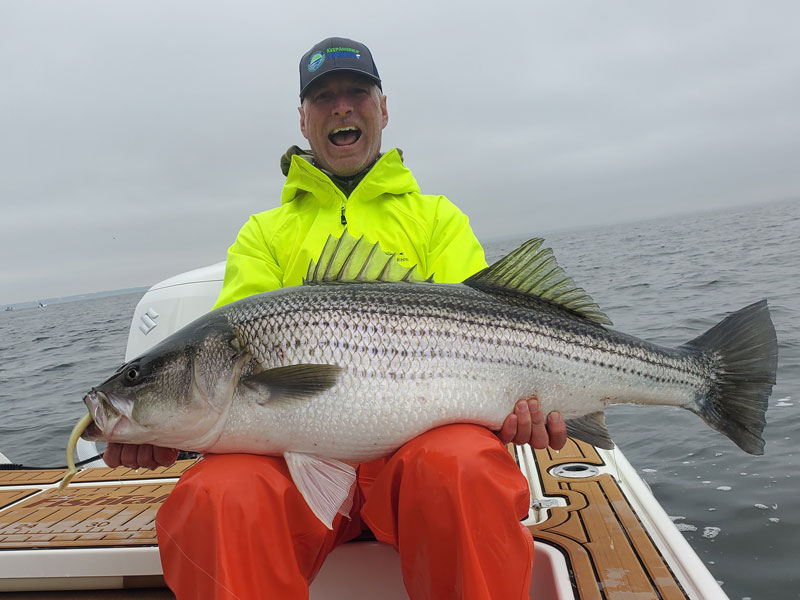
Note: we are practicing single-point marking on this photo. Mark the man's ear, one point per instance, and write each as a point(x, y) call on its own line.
point(303, 121)
point(384, 112)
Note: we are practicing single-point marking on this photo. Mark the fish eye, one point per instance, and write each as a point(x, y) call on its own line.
point(131, 374)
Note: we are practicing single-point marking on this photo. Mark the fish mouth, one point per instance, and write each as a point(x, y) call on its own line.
point(93, 433)
point(105, 416)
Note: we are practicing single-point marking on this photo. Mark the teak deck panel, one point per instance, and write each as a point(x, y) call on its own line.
point(83, 516)
point(607, 550)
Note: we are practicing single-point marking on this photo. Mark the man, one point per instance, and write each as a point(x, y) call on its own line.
point(450, 500)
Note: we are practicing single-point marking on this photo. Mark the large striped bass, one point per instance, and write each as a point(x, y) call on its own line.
point(364, 356)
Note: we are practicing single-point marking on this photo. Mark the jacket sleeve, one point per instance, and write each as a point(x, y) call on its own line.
point(250, 268)
point(455, 253)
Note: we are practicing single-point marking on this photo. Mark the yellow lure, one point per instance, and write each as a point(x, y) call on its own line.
point(80, 427)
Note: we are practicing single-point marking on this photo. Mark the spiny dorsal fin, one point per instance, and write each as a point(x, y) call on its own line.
point(348, 259)
point(531, 270)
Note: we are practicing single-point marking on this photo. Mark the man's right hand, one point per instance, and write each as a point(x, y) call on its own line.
point(527, 425)
point(136, 456)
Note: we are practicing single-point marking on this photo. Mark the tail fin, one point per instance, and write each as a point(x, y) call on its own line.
point(744, 349)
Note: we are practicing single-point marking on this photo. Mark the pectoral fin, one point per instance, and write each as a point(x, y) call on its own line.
point(326, 484)
point(293, 382)
point(591, 429)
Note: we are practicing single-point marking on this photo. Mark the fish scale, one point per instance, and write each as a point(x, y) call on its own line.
point(469, 356)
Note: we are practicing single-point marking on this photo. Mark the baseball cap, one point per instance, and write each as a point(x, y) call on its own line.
point(336, 54)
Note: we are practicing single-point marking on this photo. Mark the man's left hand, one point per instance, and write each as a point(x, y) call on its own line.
point(527, 425)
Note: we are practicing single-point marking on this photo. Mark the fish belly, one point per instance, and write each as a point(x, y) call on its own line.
point(365, 417)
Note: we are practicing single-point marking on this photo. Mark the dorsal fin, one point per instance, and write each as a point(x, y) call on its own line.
point(348, 259)
point(532, 271)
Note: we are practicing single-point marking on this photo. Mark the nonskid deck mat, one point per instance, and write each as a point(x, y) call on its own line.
point(85, 516)
point(605, 544)
point(101, 507)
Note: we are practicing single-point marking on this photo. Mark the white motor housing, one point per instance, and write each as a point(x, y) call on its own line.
point(171, 304)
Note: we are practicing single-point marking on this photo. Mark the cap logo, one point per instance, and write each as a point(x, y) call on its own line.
point(342, 52)
point(315, 61)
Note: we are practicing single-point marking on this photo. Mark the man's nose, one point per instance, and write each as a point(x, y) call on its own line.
point(342, 105)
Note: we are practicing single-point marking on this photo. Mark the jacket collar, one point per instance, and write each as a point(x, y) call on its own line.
point(387, 175)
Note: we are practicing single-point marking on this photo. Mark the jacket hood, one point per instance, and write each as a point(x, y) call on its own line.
point(286, 159)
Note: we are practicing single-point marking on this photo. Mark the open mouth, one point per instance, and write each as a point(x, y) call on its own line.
point(93, 433)
point(106, 412)
point(344, 136)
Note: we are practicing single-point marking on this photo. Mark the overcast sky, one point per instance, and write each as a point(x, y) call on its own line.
point(137, 136)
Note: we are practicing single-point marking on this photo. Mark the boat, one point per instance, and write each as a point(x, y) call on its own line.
point(599, 532)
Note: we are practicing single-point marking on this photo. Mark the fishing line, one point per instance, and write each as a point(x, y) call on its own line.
point(19, 467)
point(182, 455)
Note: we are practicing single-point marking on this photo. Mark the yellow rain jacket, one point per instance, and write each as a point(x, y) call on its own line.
point(274, 248)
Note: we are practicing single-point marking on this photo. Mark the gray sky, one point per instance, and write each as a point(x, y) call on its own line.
point(137, 136)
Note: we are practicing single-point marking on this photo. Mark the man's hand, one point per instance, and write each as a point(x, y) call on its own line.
point(527, 425)
point(136, 456)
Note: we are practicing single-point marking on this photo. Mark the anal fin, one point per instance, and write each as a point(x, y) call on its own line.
point(591, 429)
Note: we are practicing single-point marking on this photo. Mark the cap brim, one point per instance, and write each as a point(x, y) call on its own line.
point(321, 76)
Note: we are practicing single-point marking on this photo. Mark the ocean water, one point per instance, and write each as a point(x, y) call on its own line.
point(664, 280)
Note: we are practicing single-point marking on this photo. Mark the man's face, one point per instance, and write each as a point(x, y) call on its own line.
point(342, 117)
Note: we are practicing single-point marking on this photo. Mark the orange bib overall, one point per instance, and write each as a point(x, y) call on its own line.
point(450, 502)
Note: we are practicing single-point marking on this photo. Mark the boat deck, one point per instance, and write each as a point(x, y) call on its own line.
point(51, 541)
point(609, 551)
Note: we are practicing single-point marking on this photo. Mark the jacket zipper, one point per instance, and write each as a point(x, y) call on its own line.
point(344, 220)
